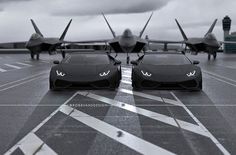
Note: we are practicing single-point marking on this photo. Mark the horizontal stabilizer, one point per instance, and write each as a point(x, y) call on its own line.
point(36, 28)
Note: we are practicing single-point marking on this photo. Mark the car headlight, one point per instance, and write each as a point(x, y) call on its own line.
point(190, 74)
point(59, 73)
point(146, 73)
point(104, 73)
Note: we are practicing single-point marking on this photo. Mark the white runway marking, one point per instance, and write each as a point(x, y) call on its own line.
point(153, 115)
point(218, 76)
point(31, 144)
point(24, 64)
point(218, 79)
point(214, 140)
point(21, 83)
point(22, 79)
point(127, 139)
point(126, 82)
point(2, 70)
point(152, 97)
point(13, 66)
point(127, 72)
point(126, 76)
point(39, 126)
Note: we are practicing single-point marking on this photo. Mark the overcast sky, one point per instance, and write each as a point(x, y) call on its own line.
point(52, 16)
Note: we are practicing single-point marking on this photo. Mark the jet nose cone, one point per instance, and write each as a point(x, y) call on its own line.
point(127, 33)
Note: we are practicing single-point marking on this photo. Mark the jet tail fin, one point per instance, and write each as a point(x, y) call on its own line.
point(212, 27)
point(113, 33)
point(181, 30)
point(65, 31)
point(141, 33)
point(35, 27)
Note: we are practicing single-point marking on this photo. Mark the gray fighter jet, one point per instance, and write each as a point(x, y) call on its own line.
point(208, 43)
point(38, 43)
point(125, 43)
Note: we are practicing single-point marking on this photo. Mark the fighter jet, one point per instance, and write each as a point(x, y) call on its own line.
point(126, 42)
point(38, 43)
point(208, 43)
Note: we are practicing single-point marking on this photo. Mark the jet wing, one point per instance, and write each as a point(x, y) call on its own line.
point(227, 42)
point(14, 50)
point(88, 41)
point(165, 41)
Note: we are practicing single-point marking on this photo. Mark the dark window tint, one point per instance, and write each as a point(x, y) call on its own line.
point(165, 59)
point(87, 59)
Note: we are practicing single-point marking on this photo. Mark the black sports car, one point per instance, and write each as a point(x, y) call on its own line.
point(166, 71)
point(86, 70)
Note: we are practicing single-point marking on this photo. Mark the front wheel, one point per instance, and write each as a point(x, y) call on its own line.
point(51, 85)
point(32, 55)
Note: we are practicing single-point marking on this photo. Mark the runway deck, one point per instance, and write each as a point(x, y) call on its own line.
point(34, 120)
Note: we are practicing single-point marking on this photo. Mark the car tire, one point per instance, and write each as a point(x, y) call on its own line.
point(51, 85)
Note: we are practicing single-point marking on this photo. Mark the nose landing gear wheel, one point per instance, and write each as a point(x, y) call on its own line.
point(209, 56)
point(32, 56)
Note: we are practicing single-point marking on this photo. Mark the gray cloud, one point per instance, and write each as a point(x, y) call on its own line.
point(94, 7)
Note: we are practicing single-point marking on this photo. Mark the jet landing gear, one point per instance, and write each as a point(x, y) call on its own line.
point(128, 59)
point(32, 56)
point(214, 55)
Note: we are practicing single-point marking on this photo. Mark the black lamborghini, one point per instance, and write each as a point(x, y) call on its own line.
point(166, 71)
point(86, 70)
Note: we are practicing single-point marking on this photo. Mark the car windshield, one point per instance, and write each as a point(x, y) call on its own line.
point(165, 59)
point(87, 59)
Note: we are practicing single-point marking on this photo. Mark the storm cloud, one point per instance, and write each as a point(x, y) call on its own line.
point(94, 7)
point(51, 16)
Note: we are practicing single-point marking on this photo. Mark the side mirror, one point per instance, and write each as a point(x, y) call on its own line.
point(56, 62)
point(117, 62)
point(134, 63)
point(196, 62)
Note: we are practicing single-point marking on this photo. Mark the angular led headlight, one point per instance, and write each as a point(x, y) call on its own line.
point(146, 74)
point(190, 74)
point(104, 73)
point(59, 73)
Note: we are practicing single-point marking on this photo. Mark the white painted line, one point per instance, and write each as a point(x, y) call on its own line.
point(219, 76)
point(126, 139)
point(13, 66)
point(126, 82)
point(214, 140)
point(18, 84)
point(152, 97)
point(37, 147)
point(222, 80)
point(2, 70)
point(41, 124)
point(126, 76)
point(24, 64)
point(126, 71)
point(22, 79)
point(153, 115)
point(126, 68)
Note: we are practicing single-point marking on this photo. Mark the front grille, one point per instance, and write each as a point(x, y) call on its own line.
point(101, 84)
point(149, 84)
point(189, 84)
point(66, 84)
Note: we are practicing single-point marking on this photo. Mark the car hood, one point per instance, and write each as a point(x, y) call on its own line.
point(80, 70)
